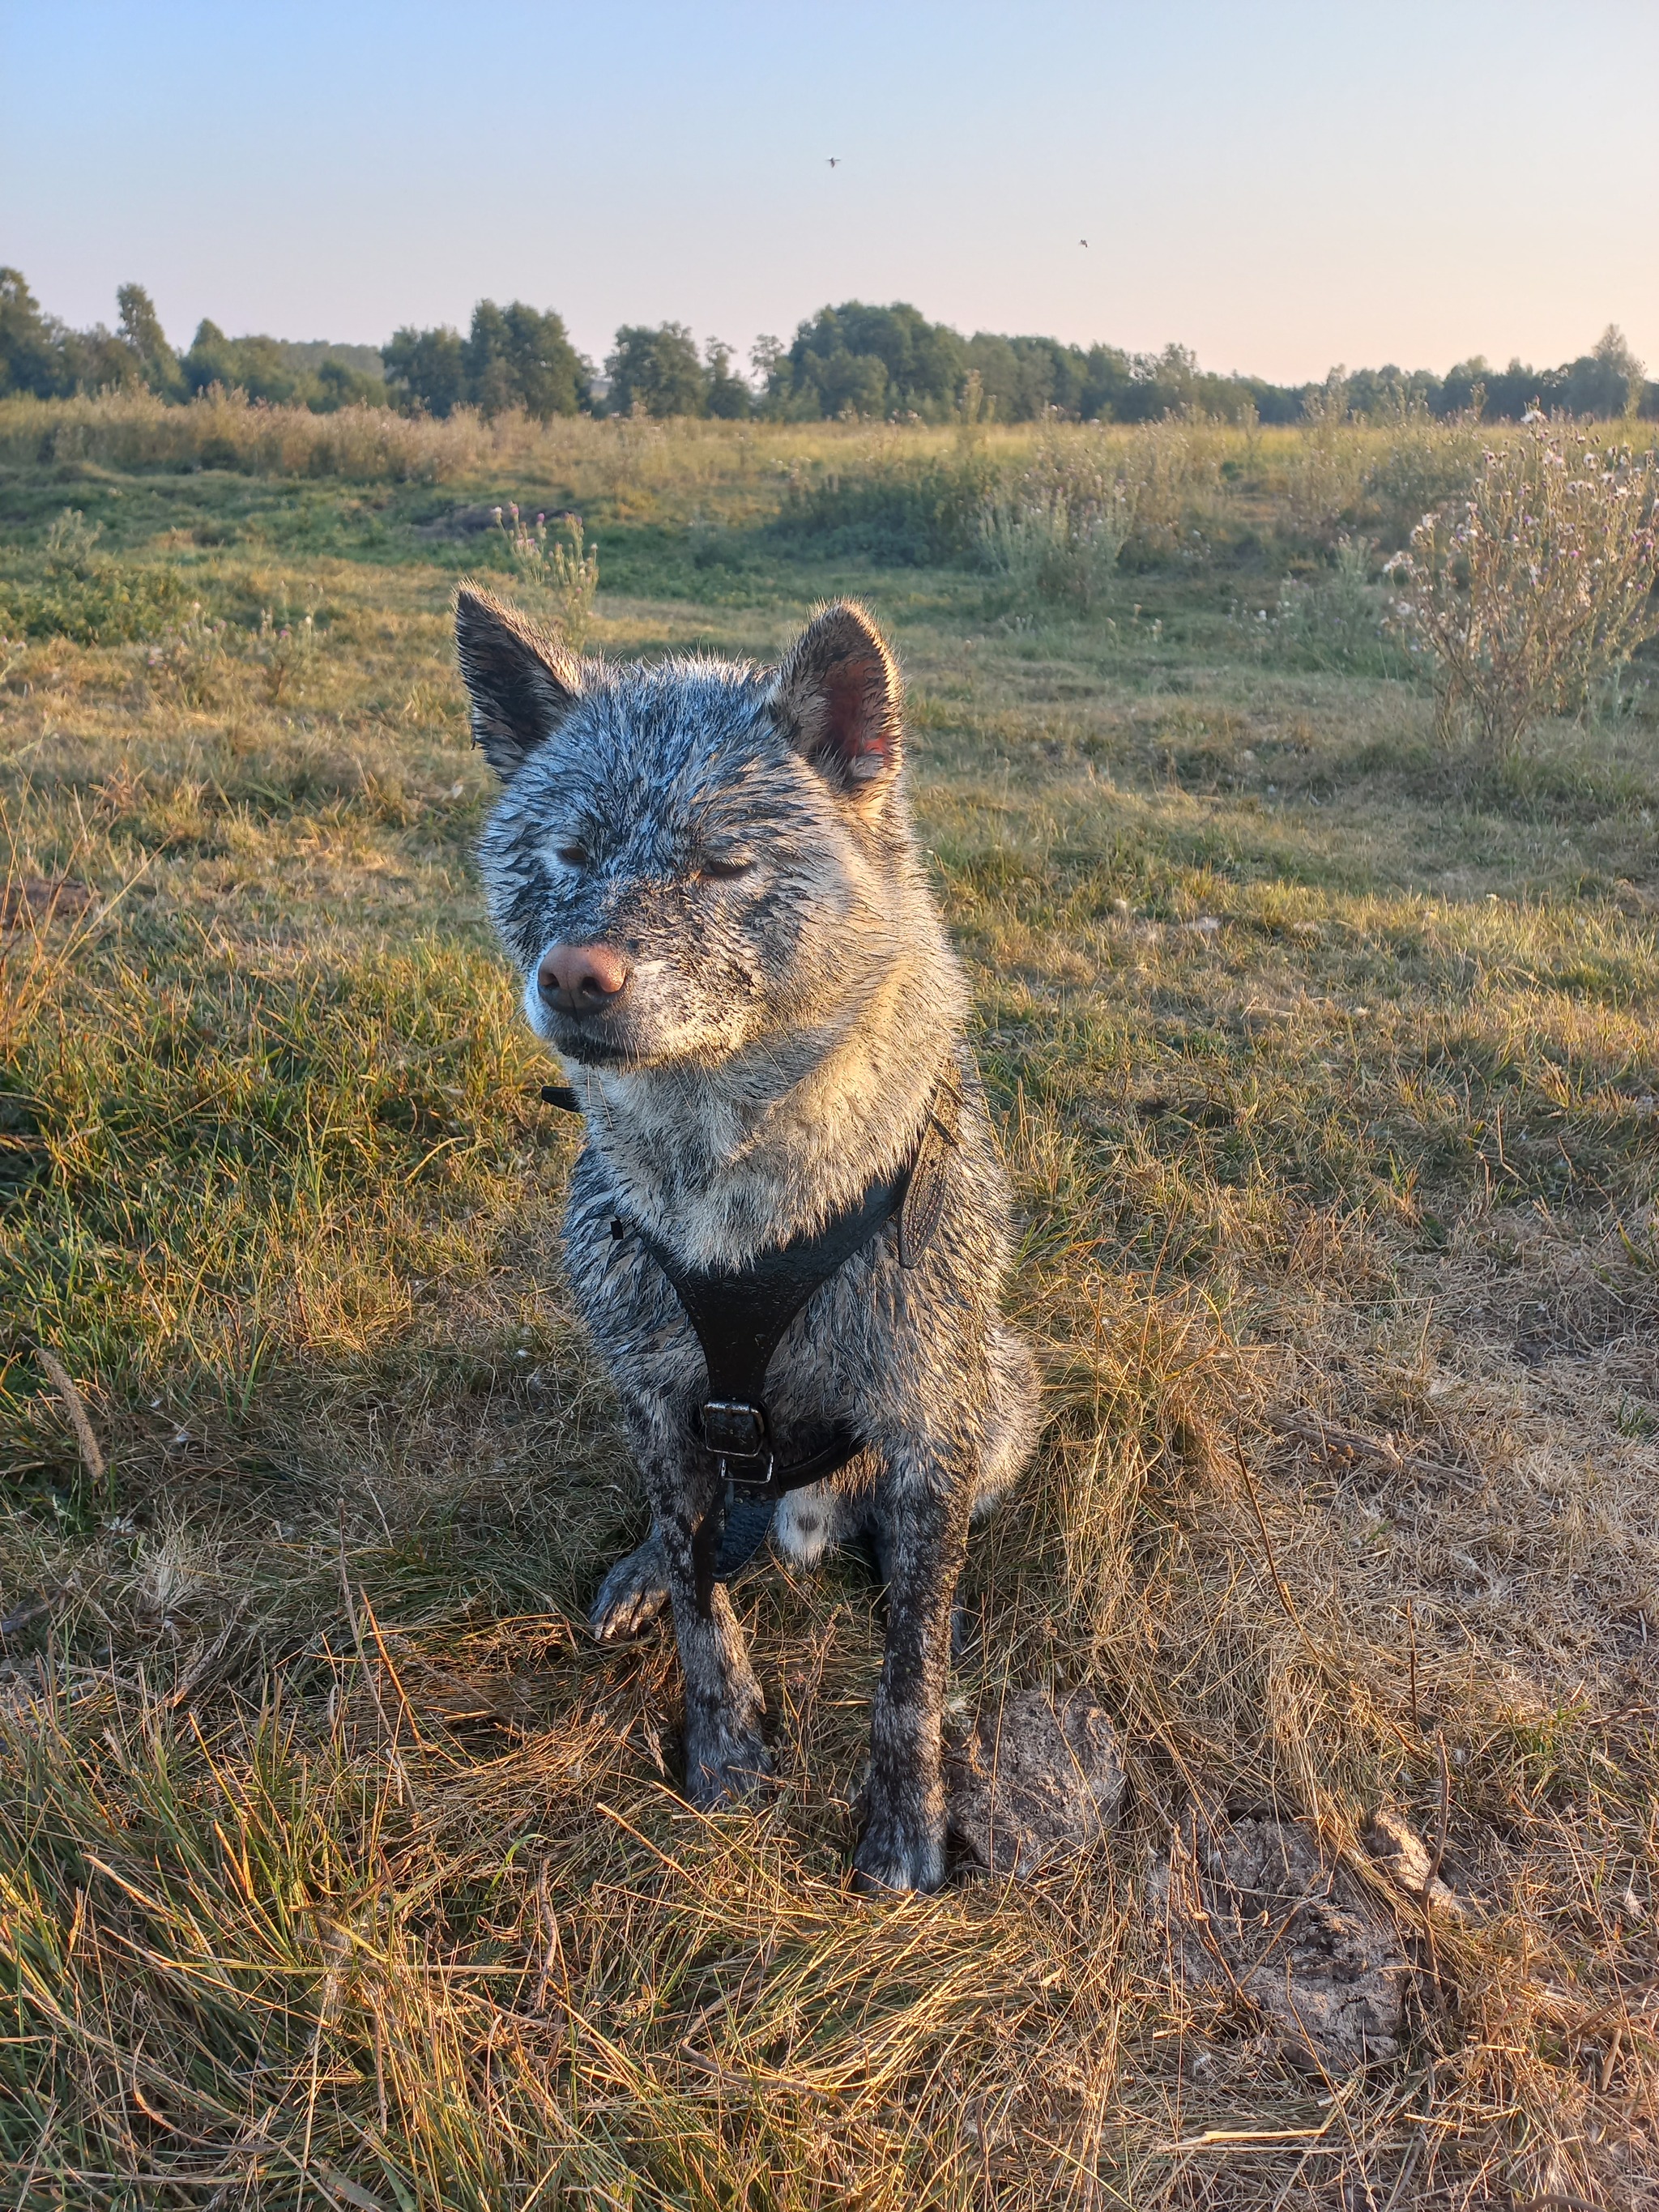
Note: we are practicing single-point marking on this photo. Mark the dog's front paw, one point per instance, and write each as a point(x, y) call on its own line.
point(723, 1765)
point(631, 1595)
point(901, 1852)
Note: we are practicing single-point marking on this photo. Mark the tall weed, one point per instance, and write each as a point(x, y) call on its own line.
point(1327, 467)
point(1172, 469)
point(137, 431)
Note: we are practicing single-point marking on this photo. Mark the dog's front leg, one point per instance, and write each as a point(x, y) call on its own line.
point(725, 1757)
point(922, 1513)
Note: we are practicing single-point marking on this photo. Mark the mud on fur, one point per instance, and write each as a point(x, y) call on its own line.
point(708, 877)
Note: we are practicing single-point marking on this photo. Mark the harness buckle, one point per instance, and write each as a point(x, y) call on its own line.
point(731, 1430)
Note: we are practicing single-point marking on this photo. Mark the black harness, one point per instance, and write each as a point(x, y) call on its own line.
point(740, 1316)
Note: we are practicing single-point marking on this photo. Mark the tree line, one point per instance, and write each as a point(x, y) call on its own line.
point(871, 362)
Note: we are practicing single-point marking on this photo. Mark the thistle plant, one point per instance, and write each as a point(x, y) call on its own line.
point(558, 580)
point(1525, 594)
point(281, 647)
point(193, 657)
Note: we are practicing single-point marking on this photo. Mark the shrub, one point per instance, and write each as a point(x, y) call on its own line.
point(1338, 619)
point(1056, 533)
point(87, 595)
point(1525, 595)
point(896, 504)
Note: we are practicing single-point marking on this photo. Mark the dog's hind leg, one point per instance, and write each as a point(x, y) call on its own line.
point(1013, 1416)
point(815, 1520)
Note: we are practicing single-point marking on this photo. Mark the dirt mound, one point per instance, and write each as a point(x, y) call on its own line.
point(28, 900)
point(1252, 1907)
point(1034, 1783)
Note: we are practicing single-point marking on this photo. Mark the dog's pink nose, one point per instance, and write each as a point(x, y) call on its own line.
point(581, 979)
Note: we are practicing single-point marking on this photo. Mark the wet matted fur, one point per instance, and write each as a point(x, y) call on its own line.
point(739, 842)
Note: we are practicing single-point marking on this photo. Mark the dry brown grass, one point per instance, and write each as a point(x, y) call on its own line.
point(336, 1868)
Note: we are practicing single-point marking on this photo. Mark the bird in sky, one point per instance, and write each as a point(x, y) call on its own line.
point(835, 160)
point(1083, 241)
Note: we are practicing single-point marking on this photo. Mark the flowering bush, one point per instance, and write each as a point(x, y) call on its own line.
point(1522, 595)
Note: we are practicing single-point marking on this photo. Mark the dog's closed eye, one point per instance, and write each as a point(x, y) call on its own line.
point(725, 869)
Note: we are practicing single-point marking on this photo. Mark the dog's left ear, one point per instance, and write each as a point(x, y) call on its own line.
point(838, 699)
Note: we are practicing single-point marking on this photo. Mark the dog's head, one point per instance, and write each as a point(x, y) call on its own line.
point(691, 857)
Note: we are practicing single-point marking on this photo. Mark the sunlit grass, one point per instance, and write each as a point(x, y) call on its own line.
point(336, 1866)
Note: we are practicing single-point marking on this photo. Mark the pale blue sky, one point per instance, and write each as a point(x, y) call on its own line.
point(1281, 185)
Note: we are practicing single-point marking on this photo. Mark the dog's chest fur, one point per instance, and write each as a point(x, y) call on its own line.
point(867, 1343)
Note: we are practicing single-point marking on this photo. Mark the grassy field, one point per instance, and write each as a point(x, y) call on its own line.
point(336, 1866)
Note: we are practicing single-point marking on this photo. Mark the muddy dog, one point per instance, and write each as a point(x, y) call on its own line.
point(708, 877)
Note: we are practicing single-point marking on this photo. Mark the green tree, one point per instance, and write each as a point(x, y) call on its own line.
point(140, 330)
point(428, 368)
point(32, 356)
point(657, 371)
point(97, 360)
point(1606, 381)
point(259, 366)
point(727, 394)
point(876, 361)
point(517, 357)
point(338, 386)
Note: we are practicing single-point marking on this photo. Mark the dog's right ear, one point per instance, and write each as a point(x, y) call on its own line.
point(521, 684)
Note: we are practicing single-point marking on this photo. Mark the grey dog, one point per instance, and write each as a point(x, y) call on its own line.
point(708, 874)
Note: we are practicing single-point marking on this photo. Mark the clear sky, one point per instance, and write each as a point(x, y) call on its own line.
point(1279, 184)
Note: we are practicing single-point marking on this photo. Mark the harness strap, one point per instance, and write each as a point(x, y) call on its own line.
point(741, 1315)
